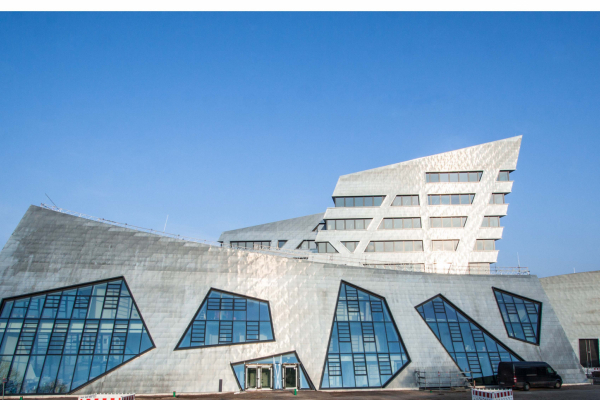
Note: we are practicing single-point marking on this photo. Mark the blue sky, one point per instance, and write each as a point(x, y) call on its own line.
point(228, 120)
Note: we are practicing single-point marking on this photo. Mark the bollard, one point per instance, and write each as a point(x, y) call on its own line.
point(295, 392)
point(174, 394)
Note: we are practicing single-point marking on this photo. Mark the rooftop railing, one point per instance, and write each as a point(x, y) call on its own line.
point(329, 258)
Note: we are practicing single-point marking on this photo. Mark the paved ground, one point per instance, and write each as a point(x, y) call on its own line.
point(579, 392)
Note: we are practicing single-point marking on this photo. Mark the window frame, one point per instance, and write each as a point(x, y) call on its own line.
point(487, 217)
point(441, 218)
point(205, 300)
point(401, 196)
point(443, 241)
point(493, 199)
point(374, 242)
point(504, 171)
point(468, 318)
point(393, 219)
point(350, 241)
point(334, 221)
point(429, 175)
point(439, 196)
point(540, 315)
point(383, 197)
point(478, 240)
point(400, 340)
point(85, 320)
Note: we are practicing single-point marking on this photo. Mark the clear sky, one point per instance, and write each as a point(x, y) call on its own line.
point(228, 120)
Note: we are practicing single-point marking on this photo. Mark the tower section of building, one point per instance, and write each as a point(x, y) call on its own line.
point(440, 212)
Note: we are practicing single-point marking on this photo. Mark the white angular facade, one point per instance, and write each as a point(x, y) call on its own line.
point(446, 234)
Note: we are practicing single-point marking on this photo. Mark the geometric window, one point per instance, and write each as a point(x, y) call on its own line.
point(522, 316)
point(225, 319)
point(278, 361)
point(59, 340)
point(365, 347)
point(472, 348)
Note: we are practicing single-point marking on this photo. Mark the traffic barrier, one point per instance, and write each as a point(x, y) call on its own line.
point(108, 396)
point(484, 394)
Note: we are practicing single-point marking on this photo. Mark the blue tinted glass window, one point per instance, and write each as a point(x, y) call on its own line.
point(227, 318)
point(520, 316)
point(471, 347)
point(68, 337)
point(364, 342)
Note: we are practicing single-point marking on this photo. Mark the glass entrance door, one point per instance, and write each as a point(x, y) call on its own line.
point(259, 377)
point(290, 376)
point(251, 377)
point(265, 378)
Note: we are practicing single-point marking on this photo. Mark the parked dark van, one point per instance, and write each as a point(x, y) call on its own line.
point(523, 375)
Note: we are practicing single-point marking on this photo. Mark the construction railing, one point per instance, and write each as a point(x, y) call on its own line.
point(444, 379)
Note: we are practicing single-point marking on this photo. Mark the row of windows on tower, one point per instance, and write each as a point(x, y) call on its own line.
point(468, 176)
point(413, 200)
point(407, 223)
point(403, 246)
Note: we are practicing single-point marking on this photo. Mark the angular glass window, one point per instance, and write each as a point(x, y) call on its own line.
point(522, 316)
point(277, 372)
point(67, 331)
point(226, 319)
point(281, 243)
point(472, 348)
point(365, 348)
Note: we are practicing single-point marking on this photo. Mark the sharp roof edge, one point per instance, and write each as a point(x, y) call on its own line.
point(507, 140)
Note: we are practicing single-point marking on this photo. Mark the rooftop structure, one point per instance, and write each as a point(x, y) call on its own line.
point(440, 213)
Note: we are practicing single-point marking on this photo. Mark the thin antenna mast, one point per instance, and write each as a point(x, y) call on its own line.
point(51, 201)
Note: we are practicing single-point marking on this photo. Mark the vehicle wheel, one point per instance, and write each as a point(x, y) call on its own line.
point(526, 386)
point(557, 385)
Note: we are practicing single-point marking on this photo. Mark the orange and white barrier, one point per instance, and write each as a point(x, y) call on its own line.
point(483, 394)
point(111, 396)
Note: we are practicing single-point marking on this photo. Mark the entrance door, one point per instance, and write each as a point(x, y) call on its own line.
point(290, 376)
point(265, 378)
point(251, 377)
point(259, 377)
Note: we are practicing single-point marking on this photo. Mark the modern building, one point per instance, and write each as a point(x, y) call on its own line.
point(91, 306)
point(439, 213)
